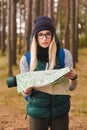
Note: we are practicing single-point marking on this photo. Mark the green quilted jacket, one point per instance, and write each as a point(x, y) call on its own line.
point(43, 105)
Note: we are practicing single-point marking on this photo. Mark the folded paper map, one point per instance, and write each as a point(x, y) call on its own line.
point(50, 81)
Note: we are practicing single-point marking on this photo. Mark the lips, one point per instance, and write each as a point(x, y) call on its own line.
point(44, 43)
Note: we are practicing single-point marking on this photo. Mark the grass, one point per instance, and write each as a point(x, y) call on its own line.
point(10, 96)
point(79, 96)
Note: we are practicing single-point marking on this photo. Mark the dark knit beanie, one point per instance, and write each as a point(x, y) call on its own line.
point(43, 23)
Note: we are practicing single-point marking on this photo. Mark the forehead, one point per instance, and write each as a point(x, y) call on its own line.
point(44, 31)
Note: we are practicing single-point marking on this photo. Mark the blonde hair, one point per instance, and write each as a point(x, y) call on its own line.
point(52, 54)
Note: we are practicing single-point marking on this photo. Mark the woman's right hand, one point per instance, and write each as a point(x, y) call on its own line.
point(27, 90)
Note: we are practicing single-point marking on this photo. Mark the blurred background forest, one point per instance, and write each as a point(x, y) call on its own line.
point(16, 24)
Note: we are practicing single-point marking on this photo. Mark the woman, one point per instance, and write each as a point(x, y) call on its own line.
point(46, 110)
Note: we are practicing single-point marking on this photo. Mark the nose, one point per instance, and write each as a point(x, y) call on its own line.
point(44, 37)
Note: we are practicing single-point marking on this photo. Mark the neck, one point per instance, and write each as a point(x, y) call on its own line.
point(42, 53)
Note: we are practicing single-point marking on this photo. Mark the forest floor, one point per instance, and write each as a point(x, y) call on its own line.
point(13, 105)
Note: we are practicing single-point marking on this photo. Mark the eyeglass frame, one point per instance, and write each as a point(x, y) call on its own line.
point(42, 35)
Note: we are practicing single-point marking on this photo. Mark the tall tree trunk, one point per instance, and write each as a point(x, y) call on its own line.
point(0, 25)
point(3, 28)
point(13, 31)
point(10, 73)
point(86, 22)
point(28, 24)
point(67, 26)
point(61, 37)
point(46, 9)
point(41, 7)
point(35, 9)
point(57, 15)
point(73, 32)
point(50, 10)
point(20, 35)
point(76, 29)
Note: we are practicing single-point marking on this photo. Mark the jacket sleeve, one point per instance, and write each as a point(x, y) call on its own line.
point(69, 63)
point(24, 67)
point(68, 59)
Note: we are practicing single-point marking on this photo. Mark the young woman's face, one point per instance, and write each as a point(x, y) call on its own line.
point(44, 38)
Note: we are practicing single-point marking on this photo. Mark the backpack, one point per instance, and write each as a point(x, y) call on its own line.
point(61, 56)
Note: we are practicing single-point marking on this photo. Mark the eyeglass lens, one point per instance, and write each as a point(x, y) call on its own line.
point(47, 35)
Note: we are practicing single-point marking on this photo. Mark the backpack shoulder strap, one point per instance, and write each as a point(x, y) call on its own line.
point(27, 55)
point(62, 57)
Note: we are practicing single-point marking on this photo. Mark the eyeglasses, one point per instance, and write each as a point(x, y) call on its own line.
point(48, 35)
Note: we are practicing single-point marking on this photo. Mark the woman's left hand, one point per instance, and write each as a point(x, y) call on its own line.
point(72, 74)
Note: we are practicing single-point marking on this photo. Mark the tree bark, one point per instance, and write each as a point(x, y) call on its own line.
point(28, 24)
point(10, 73)
point(3, 28)
point(13, 31)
